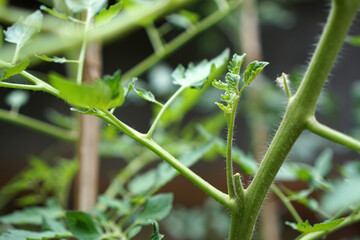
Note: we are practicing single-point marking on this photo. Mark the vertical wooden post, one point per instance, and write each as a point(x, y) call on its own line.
point(88, 151)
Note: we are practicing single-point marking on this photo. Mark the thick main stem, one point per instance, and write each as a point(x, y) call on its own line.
point(300, 108)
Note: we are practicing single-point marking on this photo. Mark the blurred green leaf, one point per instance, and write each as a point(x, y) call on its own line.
point(32, 215)
point(15, 234)
point(155, 234)
point(134, 231)
point(53, 59)
point(83, 226)
point(305, 227)
point(147, 95)
point(345, 193)
point(196, 75)
point(53, 225)
point(106, 15)
point(122, 207)
point(23, 30)
point(183, 19)
point(156, 208)
point(54, 12)
point(252, 70)
point(92, 6)
point(14, 70)
point(17, 98)
point(323, 163)
point(353, 40)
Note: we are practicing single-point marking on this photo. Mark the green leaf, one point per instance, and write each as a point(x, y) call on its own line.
point(32, 215)
point(134, 231)
point(353, 40)
point(16, 234)
point(155, 234)
point(22, 31)
point(234, 66)
point(52, 59)
point(232, 82)
point(122, 207)
point(156, 207)
point(147, 95)
point(226, 109)
point(102, 95)
point(345, 193)
point(83, 226)
point(54, 12)
point(305, 227)
point(106, 15)
point(195, 76)
point(14, 70)
point(92, 6)
point(52, 225)
point(17, 98)
point(253, 69)
point(183, 19)
point(323, 163)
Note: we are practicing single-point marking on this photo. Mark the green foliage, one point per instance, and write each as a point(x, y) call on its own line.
point(91, 6)
point(183, 19)
point(106, 15)
point(14, 70)
point(156, 208)
point(15, 234)
point(253, 69)
point(305, 227)
point(22, 31)
point(54, 12)
point(83, 226)
point(147, 95)
point(105, 94)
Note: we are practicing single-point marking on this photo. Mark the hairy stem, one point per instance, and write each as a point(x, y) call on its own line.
point(299, 109)
point(324, 131)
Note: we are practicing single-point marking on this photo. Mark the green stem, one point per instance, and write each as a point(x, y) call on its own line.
point(164, 107)
point(154, 37)
point(230, 119)
point(21, 86)
point(31, 78)
point(300, 108)
point(179, 41)
point(82, 54)
point(286, 202)
point(37, 125)
point(16, 54)
point(210, 190)
point(324, 131)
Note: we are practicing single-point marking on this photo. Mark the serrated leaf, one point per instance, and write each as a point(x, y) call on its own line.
point(234, 66)
point(305, 227)
point(122, 207)
point(52, 59)
point(232, 82)
point(17, 98)
point(53, 225)
point(222, 107)
point(220, 85)
point(14, 70)
point(106, 15)
point(252, 70)
point(195, 76)
point(155, 234)
point(156, 207)
point(32, 215)
point(22, 31)
point(16, 234)
point(92, 6)
point(147, 95)
point(102, 95)
point(83, 226)
point(54, 12)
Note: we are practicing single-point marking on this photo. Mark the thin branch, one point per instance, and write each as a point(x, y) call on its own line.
point(210, 190)
point(326, 132)
point(159, 115)
point(39, 126)
point(21, 86)
point(286, 202)
point(154, 37)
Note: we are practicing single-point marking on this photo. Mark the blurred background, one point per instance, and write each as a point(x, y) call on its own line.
point(285, 36)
